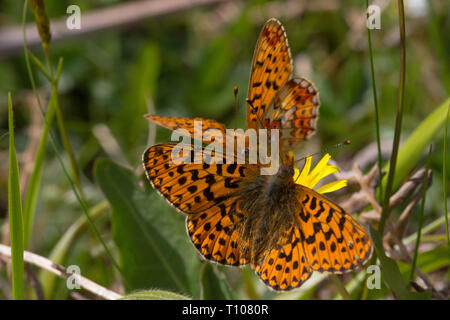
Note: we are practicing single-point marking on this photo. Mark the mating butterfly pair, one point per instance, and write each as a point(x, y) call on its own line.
point(236, 216)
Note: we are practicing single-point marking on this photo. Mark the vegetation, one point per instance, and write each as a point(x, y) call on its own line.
point(72, 134)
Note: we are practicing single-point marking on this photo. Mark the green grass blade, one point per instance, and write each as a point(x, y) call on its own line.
point(78, 195)
point(43, 25)
point(364, 291)
point(422, 207)
point(444, 177)
point(15, 212)
point(32, 190)
point(432, 226)
point(33, 187)
point(375, 103)
point(34, 183)
point(398, 120)
point(65, 138)
point(40, 66)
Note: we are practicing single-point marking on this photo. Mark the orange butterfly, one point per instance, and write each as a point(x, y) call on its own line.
point(236, 216)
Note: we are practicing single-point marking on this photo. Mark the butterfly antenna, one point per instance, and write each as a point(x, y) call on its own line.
point(235, 106)
point(325, 150)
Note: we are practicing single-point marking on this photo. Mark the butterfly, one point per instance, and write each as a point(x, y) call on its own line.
point(237, 216)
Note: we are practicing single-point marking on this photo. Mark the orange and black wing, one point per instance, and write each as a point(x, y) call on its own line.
point(285, 267)
point(207, 194)
point(294, 111)
point(271, 69)
point(332, 240)
point(175, 123)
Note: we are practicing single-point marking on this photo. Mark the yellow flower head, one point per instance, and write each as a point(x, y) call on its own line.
point(320, 171)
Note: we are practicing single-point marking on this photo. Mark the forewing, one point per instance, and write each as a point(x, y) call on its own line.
point(271, 68)
point(207, 194)
point(174, 123)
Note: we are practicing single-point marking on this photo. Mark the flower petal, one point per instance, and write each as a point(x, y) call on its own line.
point(303, 179)
point(332, 186)
point(320, 171)
point(321, 165)
point(326, 171)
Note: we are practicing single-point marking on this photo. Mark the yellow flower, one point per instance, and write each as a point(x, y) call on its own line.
point(320, 171)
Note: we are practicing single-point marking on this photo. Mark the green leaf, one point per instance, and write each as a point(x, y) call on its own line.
point(430, 261)
point(15, 212)
point(155, 295)
point(154, 248)
point(391, 273)
point(444, 177)
point(214, 286)
point(411, 151)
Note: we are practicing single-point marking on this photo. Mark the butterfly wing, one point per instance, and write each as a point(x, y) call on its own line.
point(206, 193)
point(332, 240)
point(294, 110)
point(174, 123)
point(271, 68)
point(285, 267)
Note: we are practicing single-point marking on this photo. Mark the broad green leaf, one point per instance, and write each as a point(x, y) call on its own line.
point(214, 286)
point(155, 295)
point(154, 248)
point(15, 212)
point(391, 273)
point(411, 151)
point(430, 261)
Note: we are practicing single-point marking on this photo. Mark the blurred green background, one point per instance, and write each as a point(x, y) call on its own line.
point(186, 64)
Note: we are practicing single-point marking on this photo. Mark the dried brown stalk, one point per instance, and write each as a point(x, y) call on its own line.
point(60, 271)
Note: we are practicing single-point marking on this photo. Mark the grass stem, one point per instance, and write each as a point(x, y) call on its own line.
point(15, 212)
point(444, 177)
point(398, 120)
point(422, 207)
point(375, 104)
